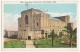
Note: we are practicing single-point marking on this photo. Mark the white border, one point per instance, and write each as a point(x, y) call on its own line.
point(47, 49)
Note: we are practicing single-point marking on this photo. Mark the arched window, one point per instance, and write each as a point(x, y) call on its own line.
point(26, 19)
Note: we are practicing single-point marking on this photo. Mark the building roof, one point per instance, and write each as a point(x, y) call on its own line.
point(31, 10)
point(62, 18)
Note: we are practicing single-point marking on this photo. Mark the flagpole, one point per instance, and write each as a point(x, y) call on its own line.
point(26, 4)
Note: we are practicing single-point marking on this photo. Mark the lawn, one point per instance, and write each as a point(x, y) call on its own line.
point(15, 44)
point(48, 43)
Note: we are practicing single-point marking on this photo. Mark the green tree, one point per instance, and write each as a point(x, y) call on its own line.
point(70, 31)
point(6, 34)
point(42, 32)
point(46, 36)
point(74, 37)
point(60, 34)
point(52, 36)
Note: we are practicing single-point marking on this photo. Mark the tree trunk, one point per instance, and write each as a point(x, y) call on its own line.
point(46, 36)
point(52, 39)
point(70, 40)
point(71, 43)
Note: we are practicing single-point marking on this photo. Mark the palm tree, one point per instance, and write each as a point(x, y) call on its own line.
point(70, 31)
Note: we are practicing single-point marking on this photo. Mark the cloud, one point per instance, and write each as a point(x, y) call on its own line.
point(11, 18)
point(11, 21)
point(11, 27)
point(72, 18)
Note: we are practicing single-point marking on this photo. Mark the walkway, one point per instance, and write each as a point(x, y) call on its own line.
point(29, 44)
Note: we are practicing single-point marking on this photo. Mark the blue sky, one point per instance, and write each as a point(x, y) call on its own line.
point(57, 8)
point(14, 10)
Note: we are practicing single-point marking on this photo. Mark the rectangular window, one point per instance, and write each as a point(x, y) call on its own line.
point(37, 24)
point(20, 25)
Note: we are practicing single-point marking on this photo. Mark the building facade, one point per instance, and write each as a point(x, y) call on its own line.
point(33, 21)
point(10, 33)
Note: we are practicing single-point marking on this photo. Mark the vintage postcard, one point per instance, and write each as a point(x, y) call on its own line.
point(39, 24)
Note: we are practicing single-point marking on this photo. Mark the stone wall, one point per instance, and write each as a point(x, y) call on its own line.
point(37, 21)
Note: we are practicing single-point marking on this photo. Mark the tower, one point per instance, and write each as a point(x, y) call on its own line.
point(29, 23)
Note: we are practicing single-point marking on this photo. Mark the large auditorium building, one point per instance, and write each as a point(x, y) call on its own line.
point(33, 21)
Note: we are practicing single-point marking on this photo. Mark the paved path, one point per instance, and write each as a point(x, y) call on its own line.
point(29, 44)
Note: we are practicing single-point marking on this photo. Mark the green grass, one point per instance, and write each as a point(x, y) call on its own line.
point(44, 43)
point(15, 44)
point(48, 43)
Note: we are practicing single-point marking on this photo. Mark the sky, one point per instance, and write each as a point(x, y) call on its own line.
point(13, 11)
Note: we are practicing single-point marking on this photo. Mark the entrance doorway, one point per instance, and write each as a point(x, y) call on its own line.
point(29, 37)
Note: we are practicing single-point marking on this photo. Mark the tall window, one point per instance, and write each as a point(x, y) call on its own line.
point(37, 24)
point(20, 25)
point(26, 19)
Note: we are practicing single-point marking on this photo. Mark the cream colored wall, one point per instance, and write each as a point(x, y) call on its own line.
point(44, 23)
point(57, 25)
